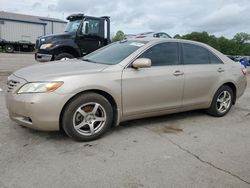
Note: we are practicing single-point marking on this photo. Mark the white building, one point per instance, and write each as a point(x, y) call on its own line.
point(16, 27)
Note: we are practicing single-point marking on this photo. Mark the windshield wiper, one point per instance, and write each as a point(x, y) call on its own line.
point(88, 60)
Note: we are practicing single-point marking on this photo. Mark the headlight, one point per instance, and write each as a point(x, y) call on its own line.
point(45, 46)
point(39, 87)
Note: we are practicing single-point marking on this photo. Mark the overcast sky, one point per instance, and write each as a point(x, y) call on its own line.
point(219, 17)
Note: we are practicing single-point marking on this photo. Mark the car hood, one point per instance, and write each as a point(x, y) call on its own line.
point(56, 69)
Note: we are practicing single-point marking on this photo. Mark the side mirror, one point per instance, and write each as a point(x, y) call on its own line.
point(141, 63)
point(85, 28)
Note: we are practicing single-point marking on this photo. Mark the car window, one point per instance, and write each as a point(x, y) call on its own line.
point(214, 59)
point(163, 35)
point(93, 26)
point(162, 54)
point(193, 54)
point(156, 35)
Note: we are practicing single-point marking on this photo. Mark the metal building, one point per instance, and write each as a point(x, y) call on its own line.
point(16, 27)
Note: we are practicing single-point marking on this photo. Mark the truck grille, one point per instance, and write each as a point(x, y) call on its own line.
point(11, 85)
point(37, 43)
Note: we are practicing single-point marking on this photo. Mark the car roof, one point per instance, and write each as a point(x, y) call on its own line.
point(156, 40)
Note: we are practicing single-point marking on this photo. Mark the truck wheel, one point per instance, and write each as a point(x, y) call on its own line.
point(87, 117)
point(9, 48)
point(64, 56)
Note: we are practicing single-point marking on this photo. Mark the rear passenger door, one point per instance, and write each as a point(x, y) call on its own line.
point(202, 71)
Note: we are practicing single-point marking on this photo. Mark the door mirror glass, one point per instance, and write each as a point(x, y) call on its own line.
point(141, 63)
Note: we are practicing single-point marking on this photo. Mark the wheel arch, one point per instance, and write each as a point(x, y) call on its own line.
point(234, 89)
point(105, 94)
point(66, 49)
point(9, 45)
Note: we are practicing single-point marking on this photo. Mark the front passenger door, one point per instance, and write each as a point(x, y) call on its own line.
point(157, 88)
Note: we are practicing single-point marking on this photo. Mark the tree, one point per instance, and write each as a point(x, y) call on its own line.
point(200, 37)
point(236, 46)
point(241, 38)
point(118, 37)
point(177, 36)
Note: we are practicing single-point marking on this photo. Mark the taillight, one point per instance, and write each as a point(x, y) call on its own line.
point(244, 71)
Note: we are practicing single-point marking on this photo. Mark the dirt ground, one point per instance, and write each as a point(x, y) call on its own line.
point(190, 149)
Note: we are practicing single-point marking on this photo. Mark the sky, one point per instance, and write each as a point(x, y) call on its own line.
point(218, 17)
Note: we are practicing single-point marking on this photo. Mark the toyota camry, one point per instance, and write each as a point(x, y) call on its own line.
point(125, 80)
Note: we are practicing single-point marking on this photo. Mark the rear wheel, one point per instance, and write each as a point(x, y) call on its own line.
point(222, 102)
point(64, 56)
point(9, 48)
point(87, 117)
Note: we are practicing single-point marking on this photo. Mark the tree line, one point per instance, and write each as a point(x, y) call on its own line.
point(238, 45)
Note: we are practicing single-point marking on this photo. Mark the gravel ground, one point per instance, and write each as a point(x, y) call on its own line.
point(188, 149)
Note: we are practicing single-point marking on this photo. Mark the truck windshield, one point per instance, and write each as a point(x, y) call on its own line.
point(72, 26)
point(114, 53)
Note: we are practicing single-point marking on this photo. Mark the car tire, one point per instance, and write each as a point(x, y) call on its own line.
point(222, 102)
point(9, 48)
point(87, 117)
point(64, 56)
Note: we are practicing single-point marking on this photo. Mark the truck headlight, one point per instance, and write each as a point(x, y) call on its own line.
point(39, 87)
point(45, 46)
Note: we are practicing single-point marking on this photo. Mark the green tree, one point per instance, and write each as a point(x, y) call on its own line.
point(196, 36)
point(118, 37)
point(177, 36)
point(241, 38)
point(236, 46)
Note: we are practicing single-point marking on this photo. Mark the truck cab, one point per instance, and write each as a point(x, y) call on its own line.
point(82, 35)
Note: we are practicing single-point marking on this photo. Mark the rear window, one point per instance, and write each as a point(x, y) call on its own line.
point(214, 59)
point(193, 54)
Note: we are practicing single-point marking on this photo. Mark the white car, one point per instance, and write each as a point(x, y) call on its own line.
point(148, 35)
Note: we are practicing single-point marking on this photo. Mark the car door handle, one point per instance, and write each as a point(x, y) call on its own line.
point(220, 70)
point(178, 73)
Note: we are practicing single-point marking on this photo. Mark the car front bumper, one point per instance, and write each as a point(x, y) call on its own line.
point(43, 57)
point(39, 111)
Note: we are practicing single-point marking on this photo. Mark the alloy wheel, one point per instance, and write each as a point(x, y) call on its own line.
point(223, 101)
point(89, 119)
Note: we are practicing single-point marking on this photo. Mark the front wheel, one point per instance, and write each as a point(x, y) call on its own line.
point(64, 56)
point(9, 48)
point(87, 117)
point(222, 102)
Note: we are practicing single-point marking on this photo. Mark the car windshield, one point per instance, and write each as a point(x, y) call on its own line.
point(114, 53)
point(72, 26)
